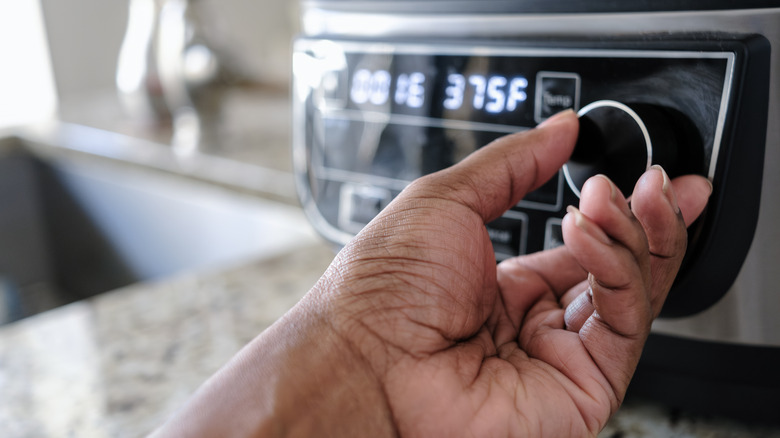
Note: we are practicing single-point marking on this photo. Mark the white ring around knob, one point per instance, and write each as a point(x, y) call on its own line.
point(625, 108)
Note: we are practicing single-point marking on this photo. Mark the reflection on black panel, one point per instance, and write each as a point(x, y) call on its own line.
point(397, 151)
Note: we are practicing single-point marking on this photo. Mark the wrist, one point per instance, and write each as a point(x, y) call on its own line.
point(324, 386)
point(298, 378)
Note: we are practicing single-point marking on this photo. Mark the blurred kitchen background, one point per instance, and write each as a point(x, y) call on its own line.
point(233, 66)
point(171, 93)
point(149, 223)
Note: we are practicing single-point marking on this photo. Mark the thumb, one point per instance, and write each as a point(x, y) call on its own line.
point(497, 176)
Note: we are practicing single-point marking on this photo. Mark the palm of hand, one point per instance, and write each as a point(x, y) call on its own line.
point(458, 343)
point(451, 369)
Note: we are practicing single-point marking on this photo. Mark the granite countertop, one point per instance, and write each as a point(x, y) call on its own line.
point(118, 364)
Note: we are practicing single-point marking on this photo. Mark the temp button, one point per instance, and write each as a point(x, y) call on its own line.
point(359, 204)
point(555, 92)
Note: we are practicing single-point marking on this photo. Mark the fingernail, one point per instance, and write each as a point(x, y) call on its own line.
point(667, 182)
point(711, 186)
point(589, 228)
point(613, 190)
point(616, 197)
point(667, 189)
point(556, 118)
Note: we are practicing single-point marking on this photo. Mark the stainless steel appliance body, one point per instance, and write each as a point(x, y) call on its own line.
point(708, 67)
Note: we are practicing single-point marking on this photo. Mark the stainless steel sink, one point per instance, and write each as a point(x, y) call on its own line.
point(74, 224)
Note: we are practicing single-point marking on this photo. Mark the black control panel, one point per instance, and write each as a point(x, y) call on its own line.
point(371, 116)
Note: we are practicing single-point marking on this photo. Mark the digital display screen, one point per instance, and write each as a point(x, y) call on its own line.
point(483, 89)
point(494, 94)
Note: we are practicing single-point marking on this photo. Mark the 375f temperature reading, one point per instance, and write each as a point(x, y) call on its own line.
point(494, 94)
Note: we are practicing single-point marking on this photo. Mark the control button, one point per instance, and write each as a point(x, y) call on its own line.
point(360, 204)
point(553, 233)
point(548, 197)
point(556, 92)
point(508, 234)
point(621, 141)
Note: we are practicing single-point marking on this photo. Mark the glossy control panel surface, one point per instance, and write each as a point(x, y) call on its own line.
point(376, 116)
point(371, 116)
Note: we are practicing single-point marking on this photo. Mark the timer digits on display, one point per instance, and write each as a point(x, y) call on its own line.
point(410, 90)
point(368, 86)
point(494, 94)
point(374, 87)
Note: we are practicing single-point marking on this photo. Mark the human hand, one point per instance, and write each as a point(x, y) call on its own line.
point(415, 331)
point(544, 344)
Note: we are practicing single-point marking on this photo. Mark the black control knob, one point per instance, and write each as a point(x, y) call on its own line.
point(622, 141)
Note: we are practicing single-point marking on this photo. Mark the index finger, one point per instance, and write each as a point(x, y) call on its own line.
point(497, 176)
